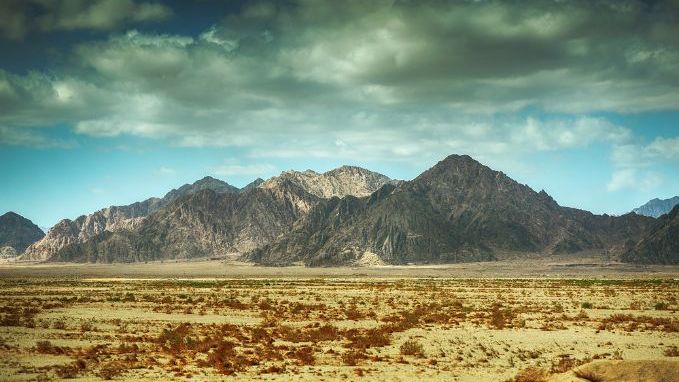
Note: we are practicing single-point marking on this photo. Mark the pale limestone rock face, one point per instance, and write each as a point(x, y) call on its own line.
point(340, 182)
point(7, 252)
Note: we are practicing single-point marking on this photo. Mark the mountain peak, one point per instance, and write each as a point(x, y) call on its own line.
point(657, 207)
point(254, 184)
point(18, 232)
point(10, 215)
point(340, 182)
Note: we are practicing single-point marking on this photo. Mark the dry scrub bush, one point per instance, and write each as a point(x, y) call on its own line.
point(111, 370)
point(46, 347)
point(71, 370)
point(412, 348)
point(369, 338)
point(633, 323)
point(531, 374)
point(566, 363)
point(304, 355)
point(59, 324)
point(672, 351)
point(353, 357)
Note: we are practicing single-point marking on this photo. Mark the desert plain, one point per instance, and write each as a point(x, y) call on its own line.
point(220, 320)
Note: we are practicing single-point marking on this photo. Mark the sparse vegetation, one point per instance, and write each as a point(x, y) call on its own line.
point(251, 328)
point(531, 374)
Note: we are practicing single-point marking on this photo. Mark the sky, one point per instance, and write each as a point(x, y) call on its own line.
point(108, 102)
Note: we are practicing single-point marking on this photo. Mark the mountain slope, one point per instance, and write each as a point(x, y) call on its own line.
point(17, 233)
point(113, 218)
point(660, 245)
point(205, 223)
point(657, 207)
point(459, 210)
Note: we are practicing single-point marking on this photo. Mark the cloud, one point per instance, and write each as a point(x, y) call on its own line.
point(17, 18)
point(166, 171)
point(376, 80)
point(634, 161)
point(234, 168)
point(32, 138)
point(637, 154)
point(633, 179)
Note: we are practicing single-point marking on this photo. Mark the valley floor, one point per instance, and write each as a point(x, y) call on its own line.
point(393, 323)
point(572, 266)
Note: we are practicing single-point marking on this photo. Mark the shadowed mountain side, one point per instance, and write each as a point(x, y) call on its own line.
point(16, 234)
point(113, 219)
point(205, 223)
point(660, 245)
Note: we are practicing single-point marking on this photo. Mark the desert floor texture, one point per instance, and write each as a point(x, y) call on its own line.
point(546, 321)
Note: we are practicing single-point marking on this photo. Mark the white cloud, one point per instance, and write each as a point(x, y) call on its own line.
point(634, 162)
point(33, 138)
point(637, 154)
point(166, 171)
point(634, 179)
point(233, 168)
point(565, 134)
point(665, 148)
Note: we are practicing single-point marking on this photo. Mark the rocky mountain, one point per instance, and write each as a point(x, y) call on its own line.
point(657, 207)
point(660, 245)
point(340, 182)
point(16, 234)
point(459, 210)
point(114, 218)
point(207, 183)
point(211, 222)
point(205, 223)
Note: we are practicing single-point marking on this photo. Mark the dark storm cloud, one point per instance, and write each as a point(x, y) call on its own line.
point(19, 17)
point(371, 78)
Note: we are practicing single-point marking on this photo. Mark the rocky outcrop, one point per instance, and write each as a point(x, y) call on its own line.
point(657, 207)
point(254, 184)
point(459, 210)
point(17, 233)
point(7, 252)
point(340, 182)
point(660, 245)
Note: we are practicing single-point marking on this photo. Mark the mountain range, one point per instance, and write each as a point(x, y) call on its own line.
point(206, 218)
point(458, 210)
point(657, 207)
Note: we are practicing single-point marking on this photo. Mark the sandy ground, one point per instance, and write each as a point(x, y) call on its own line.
point(577, 266)
point(230, 321)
